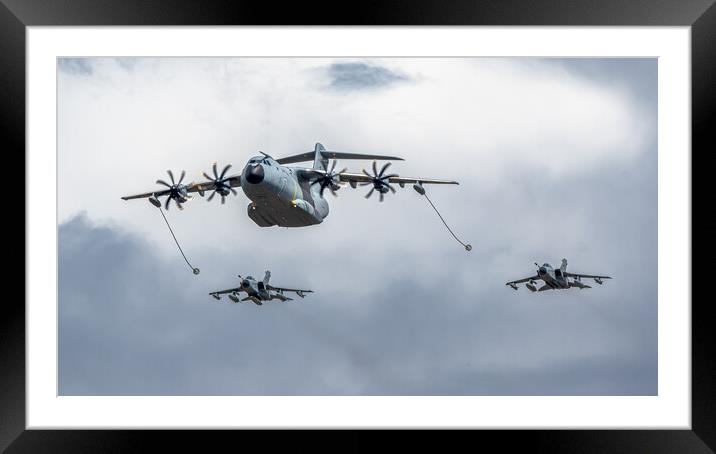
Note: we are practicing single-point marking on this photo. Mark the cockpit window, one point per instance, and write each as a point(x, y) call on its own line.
point(545, 265)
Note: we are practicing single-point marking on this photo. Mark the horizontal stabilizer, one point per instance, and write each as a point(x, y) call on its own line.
point(309, 156)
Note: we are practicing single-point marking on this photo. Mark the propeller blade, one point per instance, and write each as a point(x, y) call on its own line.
point(390, 176)
point(216, 174)
point(381, 196)
point(334, 165)
point(366, 173)
point(223, 172)
point(375, 168)
point(166, 204)
point(178, 204)
point(367, 196)
point(171, 175)
point(211, 196)
point(382, 171)
point(392, 189)
point(207, 176)
point(233, 191)
point(223, 199)
point(164, 183)
point(183, 173)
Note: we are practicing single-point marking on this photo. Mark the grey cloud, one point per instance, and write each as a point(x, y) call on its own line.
point(362, 76)
point(78, 66)
point(132, 323)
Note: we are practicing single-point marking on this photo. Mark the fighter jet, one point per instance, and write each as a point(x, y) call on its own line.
point(287, 196)
point(258, 291)
point(556, 278)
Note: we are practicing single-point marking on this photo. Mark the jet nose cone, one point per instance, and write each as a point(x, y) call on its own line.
point(255, 174)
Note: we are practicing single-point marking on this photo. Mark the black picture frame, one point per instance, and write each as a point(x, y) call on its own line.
point(700, 15)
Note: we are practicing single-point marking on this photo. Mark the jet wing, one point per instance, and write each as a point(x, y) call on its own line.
point(218, 293)
point(234, 181)
point(588, 276)
point(297, 291)
point(362, 178)
point(527, 279)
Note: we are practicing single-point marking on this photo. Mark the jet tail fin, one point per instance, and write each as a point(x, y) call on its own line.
point(267, 276)
point(564, 265)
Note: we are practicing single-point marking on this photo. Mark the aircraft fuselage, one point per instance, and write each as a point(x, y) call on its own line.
point(281, 195)
point(554, 279)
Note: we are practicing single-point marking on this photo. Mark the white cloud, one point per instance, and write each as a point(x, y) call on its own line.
point(486, 122)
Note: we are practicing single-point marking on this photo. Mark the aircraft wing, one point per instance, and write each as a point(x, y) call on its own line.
point(362, 178)
point(218, 293)
point(588, 276)
point(234, 181)
point(297, 291)
point(527, 279)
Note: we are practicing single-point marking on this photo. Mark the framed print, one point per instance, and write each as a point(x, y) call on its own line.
point(385, 185)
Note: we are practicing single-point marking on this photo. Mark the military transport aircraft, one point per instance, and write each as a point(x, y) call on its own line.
point(287, 196)
point(556, 278)
point(258, 291)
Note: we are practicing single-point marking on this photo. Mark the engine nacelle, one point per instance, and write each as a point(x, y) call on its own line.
point(155, 201)
point(233, 298)
point(531, 286)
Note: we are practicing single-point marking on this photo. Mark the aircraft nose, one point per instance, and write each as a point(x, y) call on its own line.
point(255, 174)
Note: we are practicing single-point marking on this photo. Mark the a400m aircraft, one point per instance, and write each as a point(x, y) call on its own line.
point(556, 278)
point(287, 196)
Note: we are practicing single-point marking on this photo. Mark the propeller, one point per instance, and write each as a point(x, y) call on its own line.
point(330, 180)
point(379, 181)
point(177, 191)
point(221, 184)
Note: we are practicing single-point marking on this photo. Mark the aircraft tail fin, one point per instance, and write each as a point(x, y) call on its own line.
point(320, 161)
point(564, 265)
point(267, 276)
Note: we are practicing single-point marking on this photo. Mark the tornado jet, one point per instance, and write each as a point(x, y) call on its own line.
point(258, 292)
point(556, 279)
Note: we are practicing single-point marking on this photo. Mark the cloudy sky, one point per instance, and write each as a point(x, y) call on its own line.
point(555, 158)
